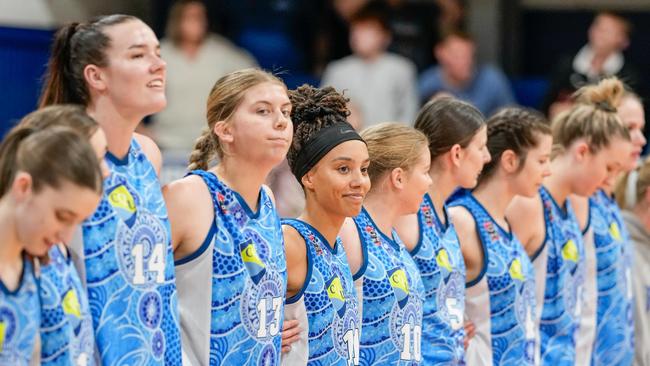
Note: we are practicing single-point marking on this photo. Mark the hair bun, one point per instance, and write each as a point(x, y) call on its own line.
point(606, 95)
point(310, 104)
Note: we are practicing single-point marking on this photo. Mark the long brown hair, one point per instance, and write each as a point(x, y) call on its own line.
point(75, 46)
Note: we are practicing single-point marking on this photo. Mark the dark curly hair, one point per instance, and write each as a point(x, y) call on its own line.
point(515, 129)
point(312, 110)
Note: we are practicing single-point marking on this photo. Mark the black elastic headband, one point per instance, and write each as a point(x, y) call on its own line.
point(320, 144)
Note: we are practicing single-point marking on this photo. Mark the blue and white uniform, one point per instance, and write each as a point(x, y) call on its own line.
point(232, 289)
point(128, 267)
point(442, 268)
point(392, 296)
point(501, 300)
point(559, 279)
point(614, 343)
point(19, 319)
point(67, 336)
point(326, 306)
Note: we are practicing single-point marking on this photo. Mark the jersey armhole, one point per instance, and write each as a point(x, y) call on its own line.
point(418, 245)
point(204, 246)
point(545, 240)
point(589, 213)
point(364, 253)
point(298, 295)
point(483, 248)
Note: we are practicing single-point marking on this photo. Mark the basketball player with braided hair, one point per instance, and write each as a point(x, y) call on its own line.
point(588, 142)
point(500, 293)
point(330, 160)
point(228, 246)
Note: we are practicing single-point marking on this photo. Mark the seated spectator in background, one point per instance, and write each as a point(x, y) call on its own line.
point(195, 60)
point(483, 86)
point(381, 84)
point(601, 57)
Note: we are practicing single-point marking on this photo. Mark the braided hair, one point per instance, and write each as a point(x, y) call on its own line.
point(312, 110)
point(515, 129)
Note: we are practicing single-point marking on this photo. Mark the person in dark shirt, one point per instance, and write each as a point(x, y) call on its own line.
point(601, 57)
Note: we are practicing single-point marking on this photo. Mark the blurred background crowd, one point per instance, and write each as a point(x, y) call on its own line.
point(388, 56)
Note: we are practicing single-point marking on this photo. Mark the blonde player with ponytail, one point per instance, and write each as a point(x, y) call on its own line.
point(588, 142)
point(228, 246)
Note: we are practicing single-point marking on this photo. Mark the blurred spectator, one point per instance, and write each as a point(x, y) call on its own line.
point(414, 28)
point(602, 56)
point(452, 15)
point(332, 38)
point(484, 86)
point(381, 84)
point(195, 60)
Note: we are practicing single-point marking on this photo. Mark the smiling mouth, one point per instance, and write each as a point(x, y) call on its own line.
point(158, 83)
point(354, 196)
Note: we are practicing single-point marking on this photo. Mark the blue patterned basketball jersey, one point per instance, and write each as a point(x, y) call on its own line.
point(614, 343)
point(67, 336)
point(329, 299)
point(129, 267)
point(508, 277)
point(560, 274)
point(249, 279)
point(19, 319)
point(442, 268)
point(393, 295)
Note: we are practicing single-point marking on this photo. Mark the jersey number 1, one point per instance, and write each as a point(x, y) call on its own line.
point(351, 339)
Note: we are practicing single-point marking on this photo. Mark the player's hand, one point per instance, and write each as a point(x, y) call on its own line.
point(470, 330)
point(290, 334)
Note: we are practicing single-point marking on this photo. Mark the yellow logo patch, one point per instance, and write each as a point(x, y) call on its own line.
point(516, 271)
point(335, 289)
point(3, 330)
point(249, 254)
point(120, 197)
point(71, 304)
point(398, 280)
point(614, 231)
point(443, 260)
point(570, 251)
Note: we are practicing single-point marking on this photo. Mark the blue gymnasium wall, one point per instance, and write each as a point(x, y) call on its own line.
point(23, 59)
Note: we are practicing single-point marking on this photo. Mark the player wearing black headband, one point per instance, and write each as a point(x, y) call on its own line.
point(330, 160)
